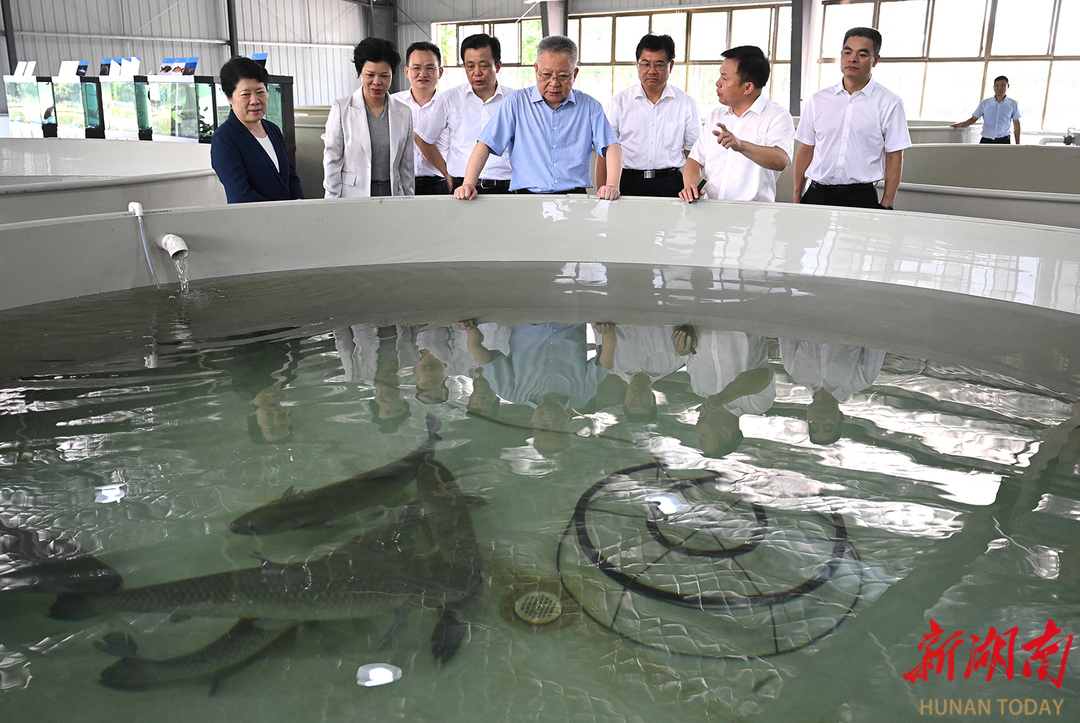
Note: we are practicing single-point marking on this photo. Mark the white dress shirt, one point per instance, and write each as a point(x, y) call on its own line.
point(654, 136)
point(423, 168)
point(461, 112)
point(645, 349)
point(723, 355)
point(839, 369)
point(732, 176)
point(852, 132)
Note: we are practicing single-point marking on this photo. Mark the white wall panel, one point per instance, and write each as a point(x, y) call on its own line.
point(320, 75)
point(155, 18)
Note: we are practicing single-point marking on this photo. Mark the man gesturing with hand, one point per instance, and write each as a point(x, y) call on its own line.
point(752, 138)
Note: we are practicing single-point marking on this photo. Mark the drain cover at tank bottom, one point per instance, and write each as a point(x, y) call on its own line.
point(538, 607)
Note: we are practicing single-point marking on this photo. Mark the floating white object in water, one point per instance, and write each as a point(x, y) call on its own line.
point(374, 674)
point(668, 503)
point(109, 493)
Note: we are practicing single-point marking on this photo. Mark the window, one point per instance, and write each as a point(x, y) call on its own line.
point(607, 44)
point(838, 20)
point(941, 56)
point(957, 30)
point(1068, 30)
point(1022, 27)
point(906, 22)
point(708, 35)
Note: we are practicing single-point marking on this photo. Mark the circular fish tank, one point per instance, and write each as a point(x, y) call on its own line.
point(747, 459)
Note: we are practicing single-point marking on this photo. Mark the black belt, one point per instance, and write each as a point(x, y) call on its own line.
point(430, 179)
point(839, 187)
point(486, 184)
point(659, 173)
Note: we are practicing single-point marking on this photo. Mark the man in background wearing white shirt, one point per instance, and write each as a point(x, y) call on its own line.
point(752, 137)
point(853, 134)
point(656, 124)
point(423, 68)
point(463, 112)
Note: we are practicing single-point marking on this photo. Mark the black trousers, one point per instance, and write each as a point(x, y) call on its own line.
point(1004, 140)
point(632, 184)
point(431, 186)
point(854, 195)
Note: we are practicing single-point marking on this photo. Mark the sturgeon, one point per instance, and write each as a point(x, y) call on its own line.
point(370, 575)
point(325, 505)
point(237, 646)
point(446, 511)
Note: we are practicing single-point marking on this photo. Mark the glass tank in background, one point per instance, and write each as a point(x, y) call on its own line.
point(205, 88)
point(275, 104)
point(78, 108)
point(25, 112)
point(174, 108)
point(127, 108)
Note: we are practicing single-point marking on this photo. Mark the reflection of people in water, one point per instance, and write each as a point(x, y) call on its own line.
point(483, 401)
point(729, 369)
point(643, 354)
point(373, 355)
point(546, 368)
point(444, 354)
point(431, 385)
point(260, 372)
point(832, 372)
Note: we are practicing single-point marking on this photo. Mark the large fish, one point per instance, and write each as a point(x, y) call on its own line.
point(446, 511)
point(326, 504)
point(216, 660)
point(370, 575)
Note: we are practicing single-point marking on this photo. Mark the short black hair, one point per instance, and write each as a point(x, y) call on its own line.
point(479, 41)
point(873, 35)
point(237, 68)
point(375, 50)
point(753, 65)
point(423, 45)
point(656, 43)
point(1001, 77)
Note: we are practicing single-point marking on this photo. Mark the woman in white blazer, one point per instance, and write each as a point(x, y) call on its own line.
point(369, 136)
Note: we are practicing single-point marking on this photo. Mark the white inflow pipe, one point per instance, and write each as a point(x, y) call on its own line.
point(174, 246)
point(136, 208)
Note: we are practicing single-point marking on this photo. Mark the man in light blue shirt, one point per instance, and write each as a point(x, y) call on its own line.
point(998, 114)
point(551, 131)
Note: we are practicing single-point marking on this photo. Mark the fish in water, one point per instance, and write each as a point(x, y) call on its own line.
point(34, 562)
point(215, 661)
point(446, 511)
point(367, 576)
point(327, 504)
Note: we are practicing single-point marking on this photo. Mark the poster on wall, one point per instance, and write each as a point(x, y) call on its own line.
point(178, 66)
point(118, 66)
point(73, 68)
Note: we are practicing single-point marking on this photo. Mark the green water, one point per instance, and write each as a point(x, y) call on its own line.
point(957, 490)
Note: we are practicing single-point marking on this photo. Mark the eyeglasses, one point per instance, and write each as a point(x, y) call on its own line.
point(561, 77)
point(657, 66)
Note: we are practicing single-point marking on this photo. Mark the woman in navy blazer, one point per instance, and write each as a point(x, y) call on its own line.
point(247, 151)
